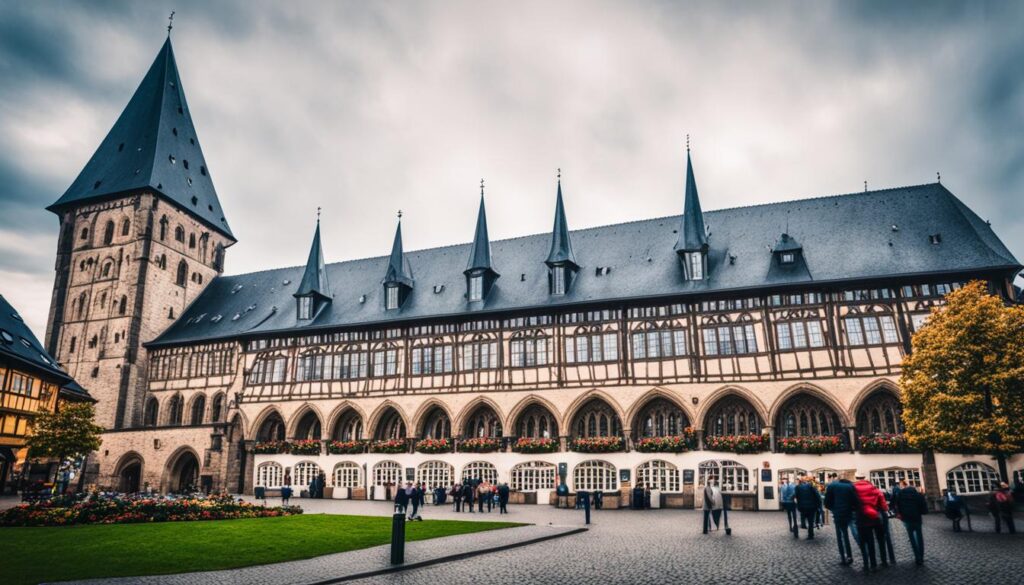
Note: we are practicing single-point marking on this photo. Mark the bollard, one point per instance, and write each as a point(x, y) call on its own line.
point(586, 505)
point(398, 537)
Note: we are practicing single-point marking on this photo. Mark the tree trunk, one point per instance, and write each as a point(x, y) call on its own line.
point(1003, 473)
point(930, 477)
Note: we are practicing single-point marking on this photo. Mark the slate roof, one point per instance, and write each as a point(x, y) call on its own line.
point(18, 343)
point(694, 234)
point(153, 145)
point(844, 238)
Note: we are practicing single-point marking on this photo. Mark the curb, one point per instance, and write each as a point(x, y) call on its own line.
point(447, 559)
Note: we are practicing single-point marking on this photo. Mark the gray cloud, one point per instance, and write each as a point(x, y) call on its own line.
point(365, 108)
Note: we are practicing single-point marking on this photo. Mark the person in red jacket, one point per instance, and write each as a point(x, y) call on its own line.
point(871, 506)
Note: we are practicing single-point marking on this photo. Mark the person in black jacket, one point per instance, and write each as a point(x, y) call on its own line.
point(503, 498)
point(402, 497)
point(1000, 504)
point(468, 494)
point(841, 500)
point(911, 505)
point(807, 502)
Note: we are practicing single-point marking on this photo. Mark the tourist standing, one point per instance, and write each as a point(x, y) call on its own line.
point(467, 496)
point(457, 496)
point(1000, 504)
point(841, 500)
point(321, 484)
point(503, 498)
point(402, 498)
point(870, 507)
point(954, 508)
point(807, 503)
point(286, 494)
point(712, 504)
point(638, 497)
point(787, 495)
point(911, 506)
point(481, 495)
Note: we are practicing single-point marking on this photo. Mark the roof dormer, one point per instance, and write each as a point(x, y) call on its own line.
point(398, 282)
point(480, 273)
point(562, 266)
point(692, 245)
point(314, 290)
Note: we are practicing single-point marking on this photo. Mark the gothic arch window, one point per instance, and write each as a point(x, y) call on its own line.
point(347, 474)
point(163, 228)
point(730, 475)
point(390, 426)
point(198, 410)
point(126, 227)
point(204, 241)
point(433, 474)
point(349, 427)
point(179, 234)
point(732, 415)
point(175, 410)
point(85, 233)
point(162, 262)
point(191, 241)
point(537, 422)
point(594, 475)
point(387, 473)
point(108, 233)
point(272, 429)
point(107, 267)
point(218, 258)
point(660, 418)
point(528, 349)
point(122, 305)
point(217, 408)
point(182, 273)
point(805, 416)
point(481, 470)
point(532, 476)
point(596, 419)
point(308, 427)
point(81, 306)
point(880, 413)
point(483, 423)
point(151, 413)
point(436, 425)
point(658, 475)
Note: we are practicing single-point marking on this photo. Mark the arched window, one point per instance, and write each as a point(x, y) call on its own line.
point(731, 476)
point(660, 418)
point(972, 478)
point(272, 429)
point(436, 424)
point(198, 409)
point(387, 473)
point(161, 261)
point(107, 266)
point(349, 427)
point(732, 415)
point(880, 413)
point(481, 470)
point(308, 427)
point(886, 479)
point(304, 473)
point(81, 306)
point(532, 476)
point(390, 426)
point(597, 419)
point(347, 474)
point(806, 416)
point(85, 233)
point(269, 475)
point(126, 227)
point(595, 475)
point(658, 475)
point(218, 258)
point(175, 410)
point(108, 233)
point(179, 234)
point(182, 273)
point(191, 241)
point(536, 422)
point(122, 305)
point(433, 474)
point(483, 423)
point(163, 228)
point(151, 413)
point(217, 408)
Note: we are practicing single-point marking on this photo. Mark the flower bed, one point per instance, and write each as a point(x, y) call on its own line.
point(737, 443)
point(479, 445)
point(389, 446)
point(271, 447)
point(813, 445)
point(527, 445)
point(346, 447)
point(434, 446)
point(670, 444)
point(305, 447)
point(96, 509)
point(598, 445)
point(884, 443)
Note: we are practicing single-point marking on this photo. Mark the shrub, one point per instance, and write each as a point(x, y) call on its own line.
point(434, 446)
point(346, 447)
point(737, 443)
point(480, 445)
point(527, 445)
point(597, 444)
point(812, 444)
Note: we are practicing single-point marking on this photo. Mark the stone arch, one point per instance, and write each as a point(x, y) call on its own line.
point(878, 409)
point(582, 400)
point(603, 417)
point(128, 472)
point(197, 409)
point(736, 413)
point(469, 412)
point(814, 391)
point(305, 423)
point(804, 414)
point(181, 473)
point(651, 396)
point(379, 415)
point(175, 409)
point(266, 426)
point(880, 385)
point(512, 421)
point(427, 411)
point(343, 413)
point(709, 403)
point(217, 407)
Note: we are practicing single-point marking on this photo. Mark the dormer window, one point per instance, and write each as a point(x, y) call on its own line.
point(558, 280)
point(305, 308)
point(787, 258)
point(391, 297)
point(476, 287)
point(694, 265)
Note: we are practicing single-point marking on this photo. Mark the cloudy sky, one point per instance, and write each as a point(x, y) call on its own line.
point(364, 108)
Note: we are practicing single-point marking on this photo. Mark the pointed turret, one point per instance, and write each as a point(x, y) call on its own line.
point(561, 259)
point(314, 289)
point(480, 274)
point(398, 282)
point(153, 146)
point(692, 245)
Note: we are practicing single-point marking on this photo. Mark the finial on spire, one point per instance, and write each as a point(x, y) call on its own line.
point(481, 187)
point(170, 23)
point(938, 177)
point(559, 173)
point(687, 144)
point(399, 215)
point(317, 215)
point(865, 186)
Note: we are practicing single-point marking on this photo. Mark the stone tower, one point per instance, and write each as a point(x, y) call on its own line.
point(142, 233)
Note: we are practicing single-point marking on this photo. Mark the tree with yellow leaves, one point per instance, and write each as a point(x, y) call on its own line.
point(963, 383)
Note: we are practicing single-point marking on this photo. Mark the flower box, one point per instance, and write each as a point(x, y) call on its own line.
point(271, 447)
point(305, 447)
point(884, 443)
point(737, 443)
point(346, 447)
point(479, 445)
point(389, 446)
point(527, 445)
point(815, 445)
point(434, 446)
point(670, 444)
point(598, 444)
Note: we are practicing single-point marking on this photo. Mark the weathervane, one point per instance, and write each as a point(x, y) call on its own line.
point(399, 215)
point(865, 186)
point(318, 215)
point(481, 187)
point(559, 173)
point(687, 144)
point(938, 176)
point(170, 23)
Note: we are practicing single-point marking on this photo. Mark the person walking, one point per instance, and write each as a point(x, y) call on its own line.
point(467, 497)
point(870, 507)
point(503, 498)
point(712, 504)
point(911, 506)
point(841, 500)
point(954, 508)
point(481, 495)
point(1000, 504)
point(457, 496)
point(286, 494)
point(402, 498)
point(787, 495)
point(807, 503)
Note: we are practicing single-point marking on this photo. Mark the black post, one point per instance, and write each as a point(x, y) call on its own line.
point(586, 504)
point(398, 537)
point(725, 514)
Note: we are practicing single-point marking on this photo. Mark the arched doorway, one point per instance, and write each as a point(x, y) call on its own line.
point(238, 459)
point(129, 475)
point(183, 473)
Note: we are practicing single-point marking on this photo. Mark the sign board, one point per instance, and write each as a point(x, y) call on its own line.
point(766, 476)
point(687, 477)
point(624, 475)
point(769, 492)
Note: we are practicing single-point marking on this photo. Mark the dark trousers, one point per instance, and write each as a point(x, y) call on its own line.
point(843, 538)
point(709, 516)
point(503, 506)
point(870, 537)
point(790, 508)
point(415, 508)
point(888, 540)
point(490, 503)
point(468, 505)
point(480, 503)
point(1008, 519)
point(458, 503)
point(916, 539)
point(807, 518)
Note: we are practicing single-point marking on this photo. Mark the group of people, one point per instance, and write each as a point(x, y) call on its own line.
point(999, 504)
point(482, 493)
point(859, 508)
point(410, 499)
point(641, 497)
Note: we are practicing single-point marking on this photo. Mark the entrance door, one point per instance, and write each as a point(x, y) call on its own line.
point(131, 475)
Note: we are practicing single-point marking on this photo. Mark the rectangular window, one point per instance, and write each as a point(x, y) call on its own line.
point(871, 332)
point(799, 334)
point(558, 280)
point(696, 260)
point(710, 342)
point(611, 347)
point(854, 333)
point(305, 308)
point(476, 288)
point(918, 320)
point(814, 332)
point(888, 329)
point(392, 297)
point(679, 341)
point(782, 331)
point(639, 347)
point(725, 341)
point(570, 350)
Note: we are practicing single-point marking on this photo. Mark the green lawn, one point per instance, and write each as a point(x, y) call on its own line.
point(32, 555)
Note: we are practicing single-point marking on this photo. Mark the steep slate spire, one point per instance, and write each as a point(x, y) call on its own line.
point(480, 253)
point(561, 246)
point(152, 146)
point(693, 236)
point(398, 268)
point(314, 278)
